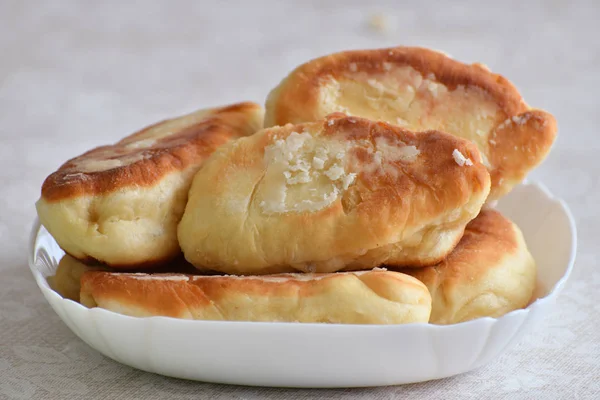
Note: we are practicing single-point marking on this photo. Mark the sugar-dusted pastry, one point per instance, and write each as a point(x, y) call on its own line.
point(369, 297)
point(489, 273)
point(422, 89)
point(120, 204)
point(343, 193)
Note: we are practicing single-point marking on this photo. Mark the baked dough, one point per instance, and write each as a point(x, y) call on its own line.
point(372, 297)
point(488, 274)
point(340, 193)
point(66, 281)
point(120, 204)
point(422, 89)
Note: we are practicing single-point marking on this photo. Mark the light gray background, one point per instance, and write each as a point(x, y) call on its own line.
point(76, 74)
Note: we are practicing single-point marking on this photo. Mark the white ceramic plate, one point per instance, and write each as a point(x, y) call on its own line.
point(324, 355)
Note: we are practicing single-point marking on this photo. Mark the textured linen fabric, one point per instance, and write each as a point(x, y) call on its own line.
point(77, 74)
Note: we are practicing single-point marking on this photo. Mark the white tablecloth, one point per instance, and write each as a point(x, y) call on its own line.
point(79, 74)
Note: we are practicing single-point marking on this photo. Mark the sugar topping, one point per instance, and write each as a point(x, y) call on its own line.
point(335, 172)
point(374, 83)
point(141, 144)
point(394, 152)
point(516, 119)
point(461, 159)
point(318, 163)
point(306, 161)
point(307, 173)
point(520, 119)
point(99, 164)
point(432, 87)
point(401, 122)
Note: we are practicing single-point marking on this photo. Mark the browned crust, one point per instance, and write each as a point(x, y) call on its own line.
point(175, 298)
point(172, 153)
point(436, 172)
point(308, 77)
point(487, 239)
point(397, 198)
point(517, 148)
point(437, 169)
point(66, 280)
point(514, 148)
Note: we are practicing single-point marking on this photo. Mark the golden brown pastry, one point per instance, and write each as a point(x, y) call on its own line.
point(66, 280)
point(341, 193)
point(488, 274)
point(371, 297)
point(422, 89)
point(120, 204)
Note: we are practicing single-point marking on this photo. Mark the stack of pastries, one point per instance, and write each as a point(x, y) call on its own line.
point(363, 193)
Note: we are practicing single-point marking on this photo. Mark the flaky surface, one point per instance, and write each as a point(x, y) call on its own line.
point(120, 204)
point(341, 193)
point(372, 297)
point(489, 273)
point(422, 89)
